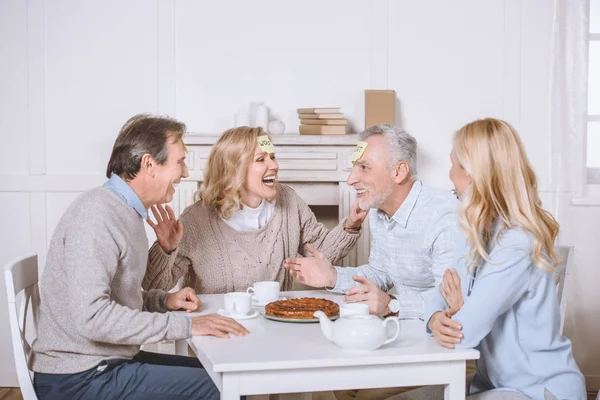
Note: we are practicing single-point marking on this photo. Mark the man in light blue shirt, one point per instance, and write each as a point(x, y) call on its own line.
point(413, 227)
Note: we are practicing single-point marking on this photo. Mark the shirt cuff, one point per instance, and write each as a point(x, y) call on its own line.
point(338, 288)
point(190, 325)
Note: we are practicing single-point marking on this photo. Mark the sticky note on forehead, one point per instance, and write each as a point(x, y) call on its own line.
point(358, 151)
point(265, 144)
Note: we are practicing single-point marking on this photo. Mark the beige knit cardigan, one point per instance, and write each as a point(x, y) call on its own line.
point(215, 258)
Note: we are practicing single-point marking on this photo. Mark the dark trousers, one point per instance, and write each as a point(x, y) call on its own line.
point(146, 376)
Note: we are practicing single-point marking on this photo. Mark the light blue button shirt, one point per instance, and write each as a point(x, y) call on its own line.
point(411, 250)
point(124, 191)
point(511, 316)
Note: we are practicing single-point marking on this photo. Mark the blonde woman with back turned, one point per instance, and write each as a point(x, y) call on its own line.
point(504, 273)
point(243, 225)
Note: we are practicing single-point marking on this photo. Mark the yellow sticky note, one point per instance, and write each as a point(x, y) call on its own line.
point(265, 144)
point(358, 151)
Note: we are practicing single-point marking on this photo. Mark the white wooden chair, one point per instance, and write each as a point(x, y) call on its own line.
point(22, 276)
point(566, 255)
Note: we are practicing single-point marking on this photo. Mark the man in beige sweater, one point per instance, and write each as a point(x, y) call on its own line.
point(93, 315)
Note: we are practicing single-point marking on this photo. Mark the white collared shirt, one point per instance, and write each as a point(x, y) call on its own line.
point(410, 250)
point(251, 219)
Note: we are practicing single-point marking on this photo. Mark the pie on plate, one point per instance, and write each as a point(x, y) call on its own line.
point(302, 308)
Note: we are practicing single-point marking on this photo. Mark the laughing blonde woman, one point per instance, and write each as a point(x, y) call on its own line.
point(504, 273)
point(243, 225)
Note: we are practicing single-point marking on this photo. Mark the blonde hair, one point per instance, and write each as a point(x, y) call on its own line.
point(225, 171)
point(503, 187)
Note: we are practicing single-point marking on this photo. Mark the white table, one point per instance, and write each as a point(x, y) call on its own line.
point(279, 357)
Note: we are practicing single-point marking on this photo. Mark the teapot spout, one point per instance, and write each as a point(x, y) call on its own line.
point(326, 324)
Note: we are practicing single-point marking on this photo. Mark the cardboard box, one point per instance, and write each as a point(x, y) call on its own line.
point(380, 107)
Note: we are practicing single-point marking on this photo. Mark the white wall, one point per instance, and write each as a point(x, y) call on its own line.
point(72, 72)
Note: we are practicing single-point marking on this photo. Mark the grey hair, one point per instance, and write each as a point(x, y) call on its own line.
point(403, 146)
point(142, 134)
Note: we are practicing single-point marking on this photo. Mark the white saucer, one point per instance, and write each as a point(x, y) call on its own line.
point(259, 304)
point(250, 315)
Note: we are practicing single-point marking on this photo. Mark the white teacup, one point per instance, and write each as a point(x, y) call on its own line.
point(238, 303)
point(354, 309)
point(265, 292)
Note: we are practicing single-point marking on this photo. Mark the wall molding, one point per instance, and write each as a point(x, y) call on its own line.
point(38, 226)
point(511, 86)
point(379, 44)
point(36, 87)
point(166, 58)
point(81, 183)
point(50, 183)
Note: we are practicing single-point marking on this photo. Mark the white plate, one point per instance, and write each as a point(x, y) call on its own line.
point(250, 315)
point(259, 304)
point(297, 320)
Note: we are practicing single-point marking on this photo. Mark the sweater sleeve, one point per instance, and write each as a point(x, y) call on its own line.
point(164, 270)
point(155, 300)
point(335, 244)
point(498, 286)
point(93, 261)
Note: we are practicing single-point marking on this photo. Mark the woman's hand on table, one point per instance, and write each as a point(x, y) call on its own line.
point(168, 229)
point(446, 331)
point(217, 325)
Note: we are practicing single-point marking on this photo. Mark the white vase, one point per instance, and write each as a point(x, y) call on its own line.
point(261, 117)
point(276, 127)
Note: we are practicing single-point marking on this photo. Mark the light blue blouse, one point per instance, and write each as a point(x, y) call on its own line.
point(512, 317)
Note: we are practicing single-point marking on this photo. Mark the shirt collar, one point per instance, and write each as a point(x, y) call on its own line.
point(402, 215)
point(124, 191)
point(253, 211)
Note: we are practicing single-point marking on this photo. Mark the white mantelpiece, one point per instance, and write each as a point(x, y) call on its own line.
point(287, 139)
point(316, 166)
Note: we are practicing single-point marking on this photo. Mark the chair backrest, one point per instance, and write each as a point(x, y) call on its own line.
point(22, 276)
point(566, 254)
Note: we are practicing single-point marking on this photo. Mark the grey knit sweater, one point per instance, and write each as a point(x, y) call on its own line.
point(215, 258)
point(92, 306)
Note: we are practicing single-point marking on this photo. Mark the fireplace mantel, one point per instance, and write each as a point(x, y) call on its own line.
point(316, 166)
point(286, 139)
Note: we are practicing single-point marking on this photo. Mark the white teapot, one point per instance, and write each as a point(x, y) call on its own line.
point(357, 332)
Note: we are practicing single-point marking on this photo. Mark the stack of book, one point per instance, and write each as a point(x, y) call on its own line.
point(322, 121)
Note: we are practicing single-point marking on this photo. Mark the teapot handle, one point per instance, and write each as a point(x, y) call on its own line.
point(395, 336)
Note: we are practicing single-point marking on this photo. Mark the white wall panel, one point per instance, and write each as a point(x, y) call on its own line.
point(286, 54)
point(56, 205)
point(16, 241)
point(101, 68)
point(447, 69)
point(13, 88)
point(535, 94)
